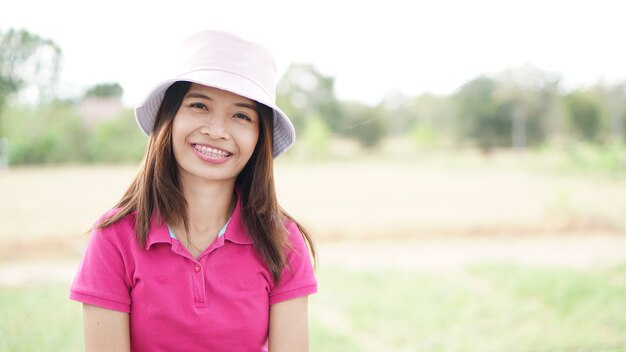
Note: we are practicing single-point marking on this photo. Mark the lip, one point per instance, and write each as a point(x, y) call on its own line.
point(208, 158)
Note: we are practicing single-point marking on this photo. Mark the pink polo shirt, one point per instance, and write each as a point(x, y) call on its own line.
point(219, 302)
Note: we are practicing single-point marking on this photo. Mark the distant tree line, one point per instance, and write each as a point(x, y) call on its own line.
point(518, 108)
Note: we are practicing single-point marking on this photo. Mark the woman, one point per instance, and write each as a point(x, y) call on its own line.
point(198, 255)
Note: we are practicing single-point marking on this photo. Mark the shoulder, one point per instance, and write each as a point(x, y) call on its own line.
point(298, 277)
point(292, 227)
point(296, 243)
point(118, 231)
point(130, 217)
point(294, 235)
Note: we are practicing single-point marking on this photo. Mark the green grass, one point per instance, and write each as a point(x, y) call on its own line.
point(489, 307)
point(579, 158)
point(494, 307)
point(39, 318)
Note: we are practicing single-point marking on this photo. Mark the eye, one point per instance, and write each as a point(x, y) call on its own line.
point(242, 116)
point(197, 106)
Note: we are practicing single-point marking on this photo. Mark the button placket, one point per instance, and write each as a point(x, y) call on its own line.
point(198, 284)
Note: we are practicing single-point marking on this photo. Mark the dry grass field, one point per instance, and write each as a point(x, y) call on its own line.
point(361, 200)
point(46, 211)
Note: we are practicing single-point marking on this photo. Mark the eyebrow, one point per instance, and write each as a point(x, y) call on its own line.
point(203, 96)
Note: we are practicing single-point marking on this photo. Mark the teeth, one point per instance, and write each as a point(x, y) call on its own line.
point(210, 152)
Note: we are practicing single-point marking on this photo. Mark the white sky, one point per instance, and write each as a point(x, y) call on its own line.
point(370, 47)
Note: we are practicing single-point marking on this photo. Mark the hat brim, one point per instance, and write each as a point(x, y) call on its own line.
point(284, 134)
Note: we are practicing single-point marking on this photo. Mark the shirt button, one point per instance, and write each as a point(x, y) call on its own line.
point(196, 268)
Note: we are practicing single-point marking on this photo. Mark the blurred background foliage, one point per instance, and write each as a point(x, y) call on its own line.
point(522, 108)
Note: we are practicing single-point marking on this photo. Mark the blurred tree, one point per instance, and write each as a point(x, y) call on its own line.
point(116, 140)
point(552, 124)
point(304, 92)
point(48, 133)
point(518, 108)
point(54, 133)
point(585, 115)
point(105, 90)
point(366, 124)
point(401, 112)
point(424, 118)
point(614, 99)
point(530, 94)
point(433, 122)
point(481, 119)
point(316, 138)
point(26, 60)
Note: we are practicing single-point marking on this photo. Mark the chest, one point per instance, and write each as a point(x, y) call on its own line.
point(221, 296)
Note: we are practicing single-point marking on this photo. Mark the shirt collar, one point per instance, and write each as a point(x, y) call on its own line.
point(235, 231)
point(158, 233)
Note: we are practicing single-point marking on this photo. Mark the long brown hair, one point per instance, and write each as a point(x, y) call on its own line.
point(156, 190)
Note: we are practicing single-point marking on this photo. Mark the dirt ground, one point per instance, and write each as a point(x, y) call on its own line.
point(424, 255)
point(454, 254)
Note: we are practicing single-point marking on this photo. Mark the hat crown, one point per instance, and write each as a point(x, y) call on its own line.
point(216, 50)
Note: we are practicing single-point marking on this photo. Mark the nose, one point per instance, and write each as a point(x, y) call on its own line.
point(214, 126)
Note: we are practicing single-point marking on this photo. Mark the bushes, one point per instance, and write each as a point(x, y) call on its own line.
point(54, 133)
point(607, 159)
point(117, 140)
point(50, 134)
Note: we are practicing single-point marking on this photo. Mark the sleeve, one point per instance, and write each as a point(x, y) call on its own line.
point(297, 278)
point(101, 277)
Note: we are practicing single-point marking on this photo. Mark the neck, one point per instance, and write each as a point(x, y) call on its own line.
point(209, 205)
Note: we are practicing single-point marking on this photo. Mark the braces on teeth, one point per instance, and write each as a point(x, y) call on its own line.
point(211, 152)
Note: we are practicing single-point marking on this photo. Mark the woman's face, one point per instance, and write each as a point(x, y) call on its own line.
point(214, 134)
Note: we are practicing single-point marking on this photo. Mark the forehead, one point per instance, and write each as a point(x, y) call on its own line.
point(218, 94)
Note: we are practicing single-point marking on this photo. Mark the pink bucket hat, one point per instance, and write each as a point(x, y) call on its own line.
point(224, 61)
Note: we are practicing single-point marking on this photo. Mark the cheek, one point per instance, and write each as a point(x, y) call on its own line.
point(245, 136)
point(252, 140)
point(178, 134)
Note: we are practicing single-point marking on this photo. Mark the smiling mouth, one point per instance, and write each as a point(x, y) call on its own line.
point(211, 152)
